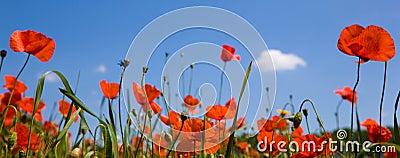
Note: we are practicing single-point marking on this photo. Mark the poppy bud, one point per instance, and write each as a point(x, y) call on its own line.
point(76, 152)
point(182, 54)
point(145, 69)
point(12, 140)
point(165, 78)
point(126, 62)
point(168, 138)
point(290, 97)
point(150, 113)
point(296, 119)
point(3, 53)
point(192, 65)
point(166, 54)
point(184, 116)
point(129, 122)
point(83, 130)
point(305, 112)
point(134, 112)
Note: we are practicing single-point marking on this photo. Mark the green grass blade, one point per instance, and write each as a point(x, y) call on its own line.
point(232, 136)
point(80, 104)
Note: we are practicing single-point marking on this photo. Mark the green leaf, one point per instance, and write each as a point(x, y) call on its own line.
point(232, 136)
point(113, 142)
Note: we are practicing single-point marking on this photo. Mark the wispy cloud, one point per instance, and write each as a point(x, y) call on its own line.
point(101, 68)
point(282, 61)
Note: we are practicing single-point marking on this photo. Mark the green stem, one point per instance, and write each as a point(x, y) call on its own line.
point(308, 126)
point(119, 109)
point(12, 92)
point(145, 111)
point(221, 82)
point(352, 99)
point(1, 65)
point(191, 78)
point(381, 103)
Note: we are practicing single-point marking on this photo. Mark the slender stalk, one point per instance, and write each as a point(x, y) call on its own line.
point(308, 126)
point(191, 78)
point(1, 65)
point(145, 111)
point(221, 82)
point(119, 109)
point(337, 113)
point(352, 99)
point(381, 103)
point(12, 92)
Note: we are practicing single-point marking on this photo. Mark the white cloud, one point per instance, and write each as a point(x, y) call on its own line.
point(282, 61)
point(101, 68)
point(52, 77)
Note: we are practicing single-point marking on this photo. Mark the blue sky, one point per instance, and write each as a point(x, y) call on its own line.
point(93, 36)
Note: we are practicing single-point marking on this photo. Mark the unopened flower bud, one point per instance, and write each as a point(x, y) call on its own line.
point(296, 119)
point(150, 113)
point(134, 112)
point(76, 152)
point(305, 112)
point(192, 65)
point(126, 62)
point(129, 122)
point(145, 69)
point(84, 130)
point(184, 116)
point(12, 140)
point(166, 54)
point(3, 53)
point(168, 138)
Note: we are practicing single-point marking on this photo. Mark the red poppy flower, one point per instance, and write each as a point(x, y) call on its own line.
point(282, 123)
point(50, 127)
point(172, 118)
point(152, 93)
point(193, 127)
point(267, 137)
point(110, 90)
point(34, 43)
point(265, 125)
point(22, 138)
point(347, 94)
point(191, 101)
point(298, 132)
point(20, 87)
point(312, 146)
point(27, 104)
point(192, 134)
point(373, 131)
point(219, 112)
point(63, 107)
point(5, 98)
point(371, 43)
point(228, 53)
point(9, 117)
point(390, 154)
